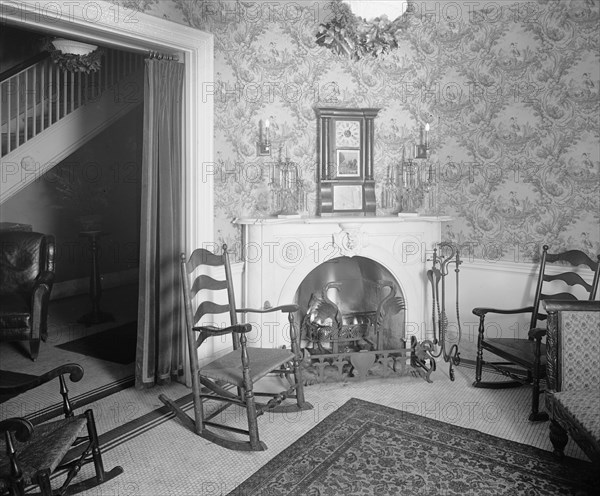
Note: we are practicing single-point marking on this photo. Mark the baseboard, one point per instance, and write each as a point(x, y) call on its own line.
point(80, 286)
point(82, 400)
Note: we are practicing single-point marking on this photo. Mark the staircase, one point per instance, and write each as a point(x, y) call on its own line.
point(46, 113)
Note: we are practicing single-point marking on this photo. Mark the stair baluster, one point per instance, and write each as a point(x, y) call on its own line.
point(41, 94)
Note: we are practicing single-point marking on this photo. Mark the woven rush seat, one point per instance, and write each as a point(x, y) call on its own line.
point(31, 455)
point(52, 442)
point(522, 353)
point(228, 368)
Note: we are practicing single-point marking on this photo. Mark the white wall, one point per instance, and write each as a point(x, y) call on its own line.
point(502, 285)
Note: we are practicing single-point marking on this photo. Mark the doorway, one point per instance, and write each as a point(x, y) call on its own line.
point(194, 48)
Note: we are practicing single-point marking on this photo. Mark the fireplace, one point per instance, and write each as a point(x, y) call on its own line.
point(356, 263)
point(350, 304)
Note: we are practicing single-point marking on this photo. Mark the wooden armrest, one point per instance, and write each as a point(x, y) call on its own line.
point(572, 305)
point(220, 331)
point(481, 311)
point(21, 427)
point(537, 333)
point(280, 308)
point(74, 370)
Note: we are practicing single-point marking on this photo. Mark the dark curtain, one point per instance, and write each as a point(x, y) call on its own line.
point(159, 356)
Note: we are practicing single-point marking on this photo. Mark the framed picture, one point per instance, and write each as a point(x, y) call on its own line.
point(345, 180)
point(347, 163)
point(348, 197)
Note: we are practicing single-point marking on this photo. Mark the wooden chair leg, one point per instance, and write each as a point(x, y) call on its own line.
point(479, 357)
point(93, 448)
point(255, 443)
point(536, 415)
point(43, 482)
point(300, 400)
point(198, 407)
point(96, 454)
point(297, 371)
point(558, 438)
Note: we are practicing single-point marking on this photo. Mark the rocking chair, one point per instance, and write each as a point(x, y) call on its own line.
point(32, 454)
point(230, 378)
point(525, 359)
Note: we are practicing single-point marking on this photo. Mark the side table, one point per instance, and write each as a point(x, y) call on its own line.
point(96, 316)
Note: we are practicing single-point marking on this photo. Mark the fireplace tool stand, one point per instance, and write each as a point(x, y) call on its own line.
point(448, 254)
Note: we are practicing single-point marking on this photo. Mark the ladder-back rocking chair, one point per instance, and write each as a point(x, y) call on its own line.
point(524, 360)
point(32, 455)
point(230, 378)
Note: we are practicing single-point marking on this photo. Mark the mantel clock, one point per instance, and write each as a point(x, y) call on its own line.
point(345, 183)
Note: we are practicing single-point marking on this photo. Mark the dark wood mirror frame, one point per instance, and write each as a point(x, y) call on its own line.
point(345, 183)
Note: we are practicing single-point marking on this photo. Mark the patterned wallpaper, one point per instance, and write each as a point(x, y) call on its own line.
point(511, 90)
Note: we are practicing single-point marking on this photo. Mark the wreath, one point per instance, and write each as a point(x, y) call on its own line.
point(355, 37)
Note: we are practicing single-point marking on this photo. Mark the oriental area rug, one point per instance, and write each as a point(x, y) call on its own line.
point(368, 449)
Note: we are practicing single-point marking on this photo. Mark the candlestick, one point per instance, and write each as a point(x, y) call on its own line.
point(427, 135)
point(263, 147)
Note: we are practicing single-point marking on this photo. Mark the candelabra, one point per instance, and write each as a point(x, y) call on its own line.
point(287, 193)
point(411, 185)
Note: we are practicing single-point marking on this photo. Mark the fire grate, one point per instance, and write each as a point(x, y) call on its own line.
point(344, 343)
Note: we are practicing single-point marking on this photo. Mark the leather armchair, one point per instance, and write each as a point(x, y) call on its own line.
point(26, 278)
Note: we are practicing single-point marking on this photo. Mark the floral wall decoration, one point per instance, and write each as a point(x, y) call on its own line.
point(354, 37)
point(510, 89)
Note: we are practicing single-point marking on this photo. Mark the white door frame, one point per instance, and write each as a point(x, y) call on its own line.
point(113, 25)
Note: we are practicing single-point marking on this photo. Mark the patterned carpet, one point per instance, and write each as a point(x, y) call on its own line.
point(368, 449)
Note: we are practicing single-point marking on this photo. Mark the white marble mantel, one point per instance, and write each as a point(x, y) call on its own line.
point(388, 219)
point(280, 252)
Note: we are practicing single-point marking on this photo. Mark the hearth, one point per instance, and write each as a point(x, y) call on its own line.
point(360, 283)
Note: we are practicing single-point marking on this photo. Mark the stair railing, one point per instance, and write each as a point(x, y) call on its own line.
point(39, 95)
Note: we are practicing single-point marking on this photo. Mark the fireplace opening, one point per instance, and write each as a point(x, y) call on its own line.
point(350, 305)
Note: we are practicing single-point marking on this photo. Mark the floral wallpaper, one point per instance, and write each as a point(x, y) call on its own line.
point(510, 89)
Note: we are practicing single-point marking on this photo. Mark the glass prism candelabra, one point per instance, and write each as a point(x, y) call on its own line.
point(411, 185)
point(288, 197)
